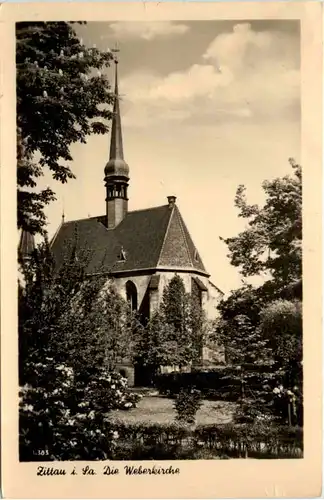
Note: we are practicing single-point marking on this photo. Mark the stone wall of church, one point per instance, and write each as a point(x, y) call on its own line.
point(211, 298)
point(141, 283)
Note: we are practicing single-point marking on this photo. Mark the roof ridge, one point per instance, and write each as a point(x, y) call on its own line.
point(101, 216)
point(83, 218)
point(146, 209)
point(165, 234)
point(190, 237)
point(184, 235)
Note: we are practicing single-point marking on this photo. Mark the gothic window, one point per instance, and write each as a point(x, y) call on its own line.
point(131, 295)
point(196, 257)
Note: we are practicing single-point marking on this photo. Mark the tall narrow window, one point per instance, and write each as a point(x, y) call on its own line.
point(131, 295)
point(196, 292)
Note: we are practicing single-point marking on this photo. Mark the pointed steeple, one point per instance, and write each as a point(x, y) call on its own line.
point(116, 170)
point(116, 164)
point(116, 141)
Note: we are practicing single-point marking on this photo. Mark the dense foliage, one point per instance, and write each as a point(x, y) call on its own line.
point(261, 326)
point(174, 335)
point(187, 404)
point(272, 242)
point(61, 416)
point(72, 332)
point(82, 322)
point(63, 96)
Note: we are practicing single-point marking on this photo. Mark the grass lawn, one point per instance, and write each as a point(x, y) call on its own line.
point(157, 409)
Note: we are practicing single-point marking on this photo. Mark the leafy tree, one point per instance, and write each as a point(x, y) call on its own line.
point(156, 344)
point(121, 327)
point(69, 317)
point(68, 347)
point(271, 243)
point(62, 97)
point(174, 335)
point(250, 362)
point(261, 325)
point(281, 323)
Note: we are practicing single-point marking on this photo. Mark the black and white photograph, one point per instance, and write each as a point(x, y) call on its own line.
point(161, 227)
point(160, 232)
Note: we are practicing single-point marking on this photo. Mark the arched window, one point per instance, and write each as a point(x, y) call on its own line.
point(131, 295)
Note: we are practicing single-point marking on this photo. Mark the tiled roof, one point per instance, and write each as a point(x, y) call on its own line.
point(141, 235)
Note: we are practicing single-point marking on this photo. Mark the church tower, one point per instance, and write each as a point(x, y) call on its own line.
point(26, 246)
point(116, 171)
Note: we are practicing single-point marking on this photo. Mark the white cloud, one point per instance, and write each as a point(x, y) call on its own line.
point(246, 50)
point(147, 30)
point(242, 74)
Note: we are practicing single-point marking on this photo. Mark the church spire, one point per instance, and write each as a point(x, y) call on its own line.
point(116, 170)
point(116, 141)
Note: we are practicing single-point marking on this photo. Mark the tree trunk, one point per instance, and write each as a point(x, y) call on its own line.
point(289, 414)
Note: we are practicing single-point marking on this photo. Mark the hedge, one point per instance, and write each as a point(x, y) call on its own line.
point(145, 441)
point(217, 384)
point(158, 441)
point(212, 384)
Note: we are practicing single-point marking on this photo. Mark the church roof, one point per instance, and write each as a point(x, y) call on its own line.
point(153, 238)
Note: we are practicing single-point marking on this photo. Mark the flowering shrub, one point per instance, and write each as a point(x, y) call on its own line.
point(288, 404)
point(64, 415)
point(187, 404)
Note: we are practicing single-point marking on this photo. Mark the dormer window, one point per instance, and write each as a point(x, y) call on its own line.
point(196, 256)
point(122, 255)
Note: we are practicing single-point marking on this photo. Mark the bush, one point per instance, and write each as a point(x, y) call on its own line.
point(187, 404)
point(64, 416)
point(288, 399)
point(212, 384)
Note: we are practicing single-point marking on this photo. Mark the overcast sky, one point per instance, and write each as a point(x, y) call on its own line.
point(206, 106)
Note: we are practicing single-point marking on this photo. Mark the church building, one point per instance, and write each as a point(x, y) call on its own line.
point(139, 250)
